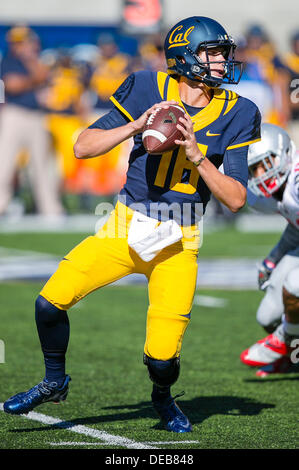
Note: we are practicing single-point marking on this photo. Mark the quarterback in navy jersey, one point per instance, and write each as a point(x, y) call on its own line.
point(223, 130)
point(138, 237)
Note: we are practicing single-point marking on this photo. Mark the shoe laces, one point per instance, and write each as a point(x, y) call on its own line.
point(277, 338)
point(46, 388)
point(36, 391)
point(179, 395)
point(274, 341)
point(173, 407)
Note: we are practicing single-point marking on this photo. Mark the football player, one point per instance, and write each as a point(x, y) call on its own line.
point(218, 126)
point(274, 176)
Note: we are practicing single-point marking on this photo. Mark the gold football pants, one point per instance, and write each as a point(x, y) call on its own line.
point(106, 257)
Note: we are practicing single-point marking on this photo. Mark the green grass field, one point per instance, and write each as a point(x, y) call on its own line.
point(224, 243)
point(229, 407)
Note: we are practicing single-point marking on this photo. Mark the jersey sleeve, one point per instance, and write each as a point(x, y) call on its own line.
point(246, 125)
point(131, 97)
point(115, 118)
point(288, 242)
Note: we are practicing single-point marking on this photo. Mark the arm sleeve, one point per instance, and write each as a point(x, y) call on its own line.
point(113, 119)
point(266, 205)
point(235, 164)
point(288, 242)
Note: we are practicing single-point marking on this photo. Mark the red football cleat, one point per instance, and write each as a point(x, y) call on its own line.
point(267, 351)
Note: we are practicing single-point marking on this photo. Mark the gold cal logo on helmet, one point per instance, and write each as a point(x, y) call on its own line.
point(179, 39)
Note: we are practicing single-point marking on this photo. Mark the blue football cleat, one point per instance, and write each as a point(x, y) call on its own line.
point(172, 416)
point(24, 402)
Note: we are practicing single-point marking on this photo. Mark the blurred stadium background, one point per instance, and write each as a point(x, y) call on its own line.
point(86, 50)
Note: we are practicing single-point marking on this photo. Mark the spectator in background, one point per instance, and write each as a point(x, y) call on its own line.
point(110, 71)
point(253, 85)
point(22, 125)
point(151, 53)
point(64, 98)
point(291, 62)
point(262, 54)
point(264, 80)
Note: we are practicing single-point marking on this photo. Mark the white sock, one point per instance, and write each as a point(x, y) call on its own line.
point(291, 329)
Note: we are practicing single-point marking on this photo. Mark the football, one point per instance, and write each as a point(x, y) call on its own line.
point(160, 131)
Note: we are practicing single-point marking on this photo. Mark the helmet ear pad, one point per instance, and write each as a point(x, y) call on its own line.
point(180, 64)
point(181, 59)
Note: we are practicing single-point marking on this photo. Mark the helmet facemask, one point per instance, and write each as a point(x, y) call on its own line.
point(202, 70)
point(276, 172)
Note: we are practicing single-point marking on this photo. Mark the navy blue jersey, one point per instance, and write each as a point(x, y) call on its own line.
point(228, 122)
point(27, 99)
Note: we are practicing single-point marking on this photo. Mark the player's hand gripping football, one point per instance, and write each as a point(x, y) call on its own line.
point(191, 148)
point(264, 272)
point(139, 124)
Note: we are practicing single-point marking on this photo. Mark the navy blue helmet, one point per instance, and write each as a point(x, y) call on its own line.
point(199, 33)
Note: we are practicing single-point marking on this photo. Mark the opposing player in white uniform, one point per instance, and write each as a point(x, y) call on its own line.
point(274, 182)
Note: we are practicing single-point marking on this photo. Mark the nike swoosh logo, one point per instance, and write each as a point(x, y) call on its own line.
point(209, 134)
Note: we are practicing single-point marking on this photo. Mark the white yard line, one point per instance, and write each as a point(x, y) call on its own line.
point(209, 301)
point(71, 443)
point(108, 439)
point(172, 442)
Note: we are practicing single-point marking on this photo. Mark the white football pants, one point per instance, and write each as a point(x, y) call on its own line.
point(271, 307)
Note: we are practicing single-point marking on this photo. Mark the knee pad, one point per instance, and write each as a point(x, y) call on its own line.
point(46, 312)
point(52, 326)
point(162, 373)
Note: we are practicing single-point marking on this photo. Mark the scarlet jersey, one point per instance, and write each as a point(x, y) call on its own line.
point(289, 206)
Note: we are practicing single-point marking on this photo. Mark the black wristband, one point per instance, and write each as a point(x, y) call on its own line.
point(199, 161)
